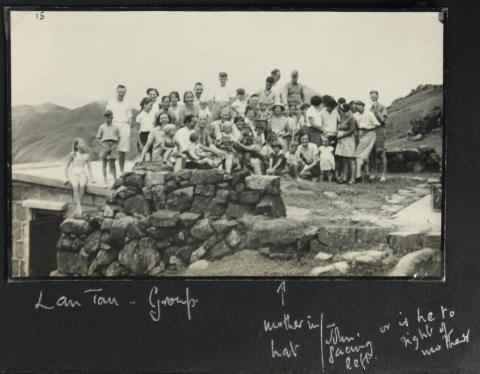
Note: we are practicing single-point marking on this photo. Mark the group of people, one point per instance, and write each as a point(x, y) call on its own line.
point(274, 131)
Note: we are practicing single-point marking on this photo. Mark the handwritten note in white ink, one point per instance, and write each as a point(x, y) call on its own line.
point(336, 348)
point(98, 297)
point(428, 332)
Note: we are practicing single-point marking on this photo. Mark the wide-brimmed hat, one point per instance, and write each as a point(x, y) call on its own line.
point(358, 102)
point(280, 105)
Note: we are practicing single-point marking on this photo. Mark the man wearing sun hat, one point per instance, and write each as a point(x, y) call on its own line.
point(221, 96)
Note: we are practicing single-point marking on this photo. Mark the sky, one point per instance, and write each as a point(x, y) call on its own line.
point(74, 58)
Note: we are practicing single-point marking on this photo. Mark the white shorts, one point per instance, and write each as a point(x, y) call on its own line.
point(125, 130)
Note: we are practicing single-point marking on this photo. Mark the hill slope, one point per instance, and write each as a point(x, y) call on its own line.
point(417, 104)
point(40, 134)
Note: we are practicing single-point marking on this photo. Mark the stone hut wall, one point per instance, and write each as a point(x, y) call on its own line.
point(156, 220)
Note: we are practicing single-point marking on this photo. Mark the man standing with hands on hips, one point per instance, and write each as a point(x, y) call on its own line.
point(379, 151)
point(122, 118)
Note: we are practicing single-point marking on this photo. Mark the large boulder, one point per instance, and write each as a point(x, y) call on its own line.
point(188, 219)
point(201, 204)
point(249, 197)
point(202, 229)
point(219, 251)
point(280, 231)
point(224, 225)
point(139, 256)
point(103, 259)
point(337, 269)
point(137, 204)
point(75, 226)
point(119, 230)
point(115, 270)
point(72, 263)
point(205, 189)
point(234, 239)
point(153, 178)
point(271, 206)
point(337, 236)
point(207, 176)
point(263, 183)
point(235, 211)
point(92, 242)
point(134, 179)
point(180, 200)
point(164, 218)
point(159, 196)
point(414, 263)
point(405, 241)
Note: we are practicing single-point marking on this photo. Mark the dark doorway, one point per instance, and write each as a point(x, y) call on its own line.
point(44, 234)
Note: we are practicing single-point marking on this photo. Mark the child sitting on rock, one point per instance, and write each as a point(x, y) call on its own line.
point(225, 142)
point(276, 161)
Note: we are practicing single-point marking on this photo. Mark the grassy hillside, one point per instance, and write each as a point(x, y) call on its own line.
point(416, 104)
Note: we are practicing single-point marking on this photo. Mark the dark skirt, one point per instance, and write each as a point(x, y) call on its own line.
point(315, 136)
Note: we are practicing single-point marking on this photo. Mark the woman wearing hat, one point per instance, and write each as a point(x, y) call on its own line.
point(366, 123)
point(278, 125)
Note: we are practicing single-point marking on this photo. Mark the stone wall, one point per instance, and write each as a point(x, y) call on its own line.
point(26, 187)
point(156, 220)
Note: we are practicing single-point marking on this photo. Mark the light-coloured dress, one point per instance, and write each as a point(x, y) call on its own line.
point(327, 161)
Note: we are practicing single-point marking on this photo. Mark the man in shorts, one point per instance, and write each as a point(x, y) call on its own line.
point(379, 151)
point(108, 134)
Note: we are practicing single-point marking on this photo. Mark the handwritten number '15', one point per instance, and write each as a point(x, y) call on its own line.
point(40, 16)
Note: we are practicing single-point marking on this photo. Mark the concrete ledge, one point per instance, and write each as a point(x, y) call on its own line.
point(50, 182)
point(44, 205)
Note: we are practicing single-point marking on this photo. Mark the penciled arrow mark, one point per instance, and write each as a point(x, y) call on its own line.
point(282, 289)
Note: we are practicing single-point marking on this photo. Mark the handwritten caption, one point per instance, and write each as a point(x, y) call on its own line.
point(98, 297)
point(289, 336)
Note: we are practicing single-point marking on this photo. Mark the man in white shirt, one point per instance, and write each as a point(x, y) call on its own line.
point(221, 96)
point(122, 118)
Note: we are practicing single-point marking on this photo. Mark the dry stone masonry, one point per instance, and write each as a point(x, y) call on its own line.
point(157, 219)
point(157, 223)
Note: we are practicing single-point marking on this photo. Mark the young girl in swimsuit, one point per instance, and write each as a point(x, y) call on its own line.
point(75, 171)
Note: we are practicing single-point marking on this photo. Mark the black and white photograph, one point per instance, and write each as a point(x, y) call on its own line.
point(226, 144)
